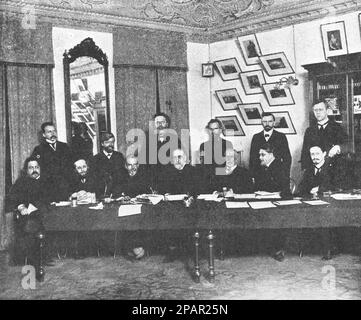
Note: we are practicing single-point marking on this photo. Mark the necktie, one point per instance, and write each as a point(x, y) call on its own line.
point(52, 145)
point(83, 180)
point(317, 172)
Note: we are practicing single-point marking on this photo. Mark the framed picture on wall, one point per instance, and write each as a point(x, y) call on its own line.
point(252, 81)
point(250, 49)
point(283, 122)
point(334, 39)
point(207, 70)
point(228, 69)
point(229, 98)
point(276, 64)
point(251, 113)
point(231, 125)
point(277, 96)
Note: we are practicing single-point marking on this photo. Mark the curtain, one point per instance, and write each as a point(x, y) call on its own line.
point(30, 103)
point(174, 100)
point(3, 155)
point(135, 98)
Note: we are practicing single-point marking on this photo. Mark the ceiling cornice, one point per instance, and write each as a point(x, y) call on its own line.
point(274, 17)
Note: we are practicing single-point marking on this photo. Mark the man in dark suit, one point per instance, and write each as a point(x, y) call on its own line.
point(277, 139)
point(55, 161)
point(235, 178)
point(84, 181)
point(273, 177)
point(325, 133)
point(108, 164)
point(29, 197)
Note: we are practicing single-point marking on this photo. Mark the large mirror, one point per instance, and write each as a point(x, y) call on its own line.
point(86, 96)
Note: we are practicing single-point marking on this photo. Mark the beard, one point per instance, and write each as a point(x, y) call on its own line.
point(267, 128)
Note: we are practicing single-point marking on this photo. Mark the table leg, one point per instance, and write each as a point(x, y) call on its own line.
point(197, 272)
point(210, 238)
point(115, 244)
point(41, 272)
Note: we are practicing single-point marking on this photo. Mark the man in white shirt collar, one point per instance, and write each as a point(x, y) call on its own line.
point(268, 122)
point(50, 136)
point(108, 144)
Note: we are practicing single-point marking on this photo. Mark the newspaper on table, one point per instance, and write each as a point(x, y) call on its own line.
point(129, 209)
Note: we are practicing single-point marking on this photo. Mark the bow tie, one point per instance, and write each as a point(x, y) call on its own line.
point(266, 135)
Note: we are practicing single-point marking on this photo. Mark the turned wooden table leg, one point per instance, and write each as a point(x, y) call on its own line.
point(41, 271)
point(197, 272)
point(210, 238)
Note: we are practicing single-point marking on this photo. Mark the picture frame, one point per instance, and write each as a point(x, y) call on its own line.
point(228, 98)
point(232, 126)
point(334, 39)
point(207, 70)
point(250, 49)
point(283, 122)
point(276, 64)
point(278, 97)
point(251, 113)
point(252, 81)
point(228, 69)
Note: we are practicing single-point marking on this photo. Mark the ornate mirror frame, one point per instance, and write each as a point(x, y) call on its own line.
point(86, 48)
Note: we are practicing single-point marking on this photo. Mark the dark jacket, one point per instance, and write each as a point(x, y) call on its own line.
point(323, 179)
point(239, 180)
point(281, 149)
point(208, 149)
point(89, 183)
point(110, 171)
point(135, 185)
point(332, 135)
point(273, 178)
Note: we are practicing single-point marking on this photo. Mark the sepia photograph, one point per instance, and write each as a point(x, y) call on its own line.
point(276, 64)
point(252, 81)
point(231, 126)
point(334, 39)
point(283, 122)
point(251, 113)
point(277, 96)
point(250, 49)
point(228, 98)
point(228, 69)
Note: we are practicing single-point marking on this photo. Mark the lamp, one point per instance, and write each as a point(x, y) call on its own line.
point(286, 82)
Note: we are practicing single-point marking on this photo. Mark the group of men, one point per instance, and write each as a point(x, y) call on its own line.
point(53, 173)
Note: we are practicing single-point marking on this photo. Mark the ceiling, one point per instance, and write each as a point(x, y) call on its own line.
point(210, 20)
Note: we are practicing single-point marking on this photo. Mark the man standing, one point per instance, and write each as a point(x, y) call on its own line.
point(29, 197)
point(326, 133)
point(108, 164)
point(55, 160)
point(270, 135)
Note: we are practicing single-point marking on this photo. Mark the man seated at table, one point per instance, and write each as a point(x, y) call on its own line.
point(29, 196)
point(316, 180)
point(273, 177)
point(235, 178)
point(84, 183)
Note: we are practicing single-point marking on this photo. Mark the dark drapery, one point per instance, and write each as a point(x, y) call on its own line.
point(135, 98)
point(3, 155)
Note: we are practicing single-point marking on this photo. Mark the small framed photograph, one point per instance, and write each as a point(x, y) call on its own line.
point(251, 113)
point(228, 69)
point(207, 70)
point(276, 64)
point(252, 81)
point(334, 39)
point(283, 122)
point(277, 96)
point(231, 125)
point(229, 98)
point(250, 49)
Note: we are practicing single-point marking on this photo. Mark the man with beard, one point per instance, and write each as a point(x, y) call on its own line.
point(84, 182)
point(55, 160)
point(108, 165)
point(277, 139)
point(325, 133)
point(273, 177)
point(29, 197)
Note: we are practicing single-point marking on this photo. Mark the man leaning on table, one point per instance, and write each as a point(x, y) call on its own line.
point(273, 177)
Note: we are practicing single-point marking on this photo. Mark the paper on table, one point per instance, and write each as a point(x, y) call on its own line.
point(267, 195)
point(346, 196)
point(175, 197)
point(99, 206)
point(236, 204)
point(31, 208)
point(287, 202)
point(156, 199)
point(261, 204)
point(316, 202)
point(62, 203)
point(129, 209)
point(209, 197)
point(245, 196)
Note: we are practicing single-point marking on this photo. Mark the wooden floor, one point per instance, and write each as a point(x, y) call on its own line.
point(247, 277)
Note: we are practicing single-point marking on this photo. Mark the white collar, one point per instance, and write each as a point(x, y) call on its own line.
point(323, 122)
point(319, 165)
point(107, 154)
point(270, 162)
point(49, 141)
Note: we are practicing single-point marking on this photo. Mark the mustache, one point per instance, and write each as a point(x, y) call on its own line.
point(35, 172)
point(53, 137)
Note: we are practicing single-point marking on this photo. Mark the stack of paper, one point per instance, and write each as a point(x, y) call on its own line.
point(236, 204)
point(245, 196)
point(175, 197)
point(346, 196)
point(152, 198)
point(267, 195)
point(129, 209)
point(316, 202)
point(287, 202)
point(261, 204)
point(62, 203)
point(209, 197)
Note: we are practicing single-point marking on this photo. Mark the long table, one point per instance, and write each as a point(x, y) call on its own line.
point(203, 216)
